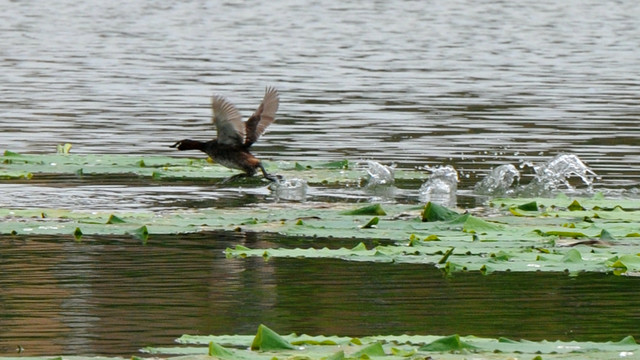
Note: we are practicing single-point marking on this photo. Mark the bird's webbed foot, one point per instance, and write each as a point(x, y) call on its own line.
point(270, 177)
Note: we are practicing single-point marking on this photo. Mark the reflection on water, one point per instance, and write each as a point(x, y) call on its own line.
point(472, 84)
point(107, 295)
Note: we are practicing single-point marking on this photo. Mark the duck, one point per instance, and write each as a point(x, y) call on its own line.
point(234, 137)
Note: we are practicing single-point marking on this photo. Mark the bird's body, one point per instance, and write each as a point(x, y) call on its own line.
point(235, 137)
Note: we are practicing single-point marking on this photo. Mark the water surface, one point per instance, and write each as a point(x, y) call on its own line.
point(473, 84)
point(109, 295)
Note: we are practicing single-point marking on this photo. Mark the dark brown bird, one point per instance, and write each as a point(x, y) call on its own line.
point(235, 137)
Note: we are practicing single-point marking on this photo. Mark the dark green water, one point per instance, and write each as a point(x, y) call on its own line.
point(106, 295)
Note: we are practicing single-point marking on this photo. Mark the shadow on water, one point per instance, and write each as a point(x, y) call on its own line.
point(112, 296)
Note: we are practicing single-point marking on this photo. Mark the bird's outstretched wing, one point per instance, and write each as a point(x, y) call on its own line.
point(263, 116)
point(231, 129)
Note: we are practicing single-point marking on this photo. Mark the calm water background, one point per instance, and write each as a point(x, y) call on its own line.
point(468, 83)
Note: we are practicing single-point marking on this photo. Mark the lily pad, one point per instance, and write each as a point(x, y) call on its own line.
point(268, 340)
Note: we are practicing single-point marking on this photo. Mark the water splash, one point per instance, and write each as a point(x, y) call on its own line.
point(379, 175)
point(290, 189)
point(554, 175)
point(441, 187)
point(498, 181)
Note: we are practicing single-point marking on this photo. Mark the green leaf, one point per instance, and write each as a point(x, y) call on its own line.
point(141, 233)
point(627, 263)
point(605, 235)
point(530, 206)
point(374, 349)
point(299, 167)
point(474, 224)
point(403, 352)
point(115, 220)
point(374, 209)
point(445, 257)
point(628, 340)
point(77, 233)
point(336, 356)
point(220, 352)
point(372, 223)
point(449, 343)
point(575, 206)
point(63, 149)
point(432, 237)
point(435, 212)
point(572, 256)
point(360, 247)
point(268, 340)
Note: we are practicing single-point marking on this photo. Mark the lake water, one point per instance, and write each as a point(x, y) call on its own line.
point(113, 296)
point(472, 84)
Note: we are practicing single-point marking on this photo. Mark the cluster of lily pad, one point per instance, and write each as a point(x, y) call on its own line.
point(268, 345)
point(510, 234)
point(542, 234)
